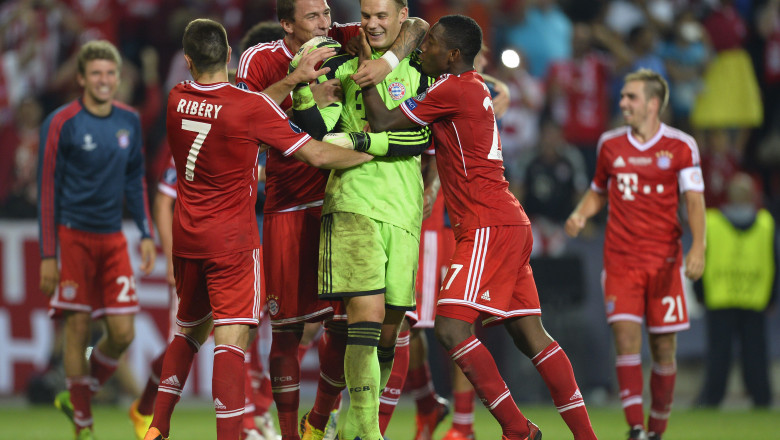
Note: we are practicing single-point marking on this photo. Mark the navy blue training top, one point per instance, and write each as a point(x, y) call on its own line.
point(87, 166)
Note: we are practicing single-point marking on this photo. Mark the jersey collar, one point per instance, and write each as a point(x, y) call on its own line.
point(649, 144)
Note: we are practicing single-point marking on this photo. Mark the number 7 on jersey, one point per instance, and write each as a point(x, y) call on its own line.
point(202, 128)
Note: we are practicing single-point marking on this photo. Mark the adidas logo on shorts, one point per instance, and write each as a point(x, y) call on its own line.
point(218, 404)
point(486, 296)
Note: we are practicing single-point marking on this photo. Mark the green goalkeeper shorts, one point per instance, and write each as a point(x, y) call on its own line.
point(362, 256)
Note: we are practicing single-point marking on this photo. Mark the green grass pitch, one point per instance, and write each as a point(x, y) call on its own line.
point(195, 421)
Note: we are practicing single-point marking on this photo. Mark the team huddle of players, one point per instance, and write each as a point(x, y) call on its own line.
point(342, 227)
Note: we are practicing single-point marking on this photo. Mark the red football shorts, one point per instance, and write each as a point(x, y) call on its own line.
point(95, 275)
point(654, 293)
point(490, 276)
point(436, 248)
point(291, 243)
point(225, 287)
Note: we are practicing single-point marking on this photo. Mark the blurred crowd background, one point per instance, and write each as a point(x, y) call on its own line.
point(722, 59)
point(563, 62)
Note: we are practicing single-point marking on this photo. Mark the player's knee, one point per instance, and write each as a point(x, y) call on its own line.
point(663, 348)
point(450, 333)
point(122, 339)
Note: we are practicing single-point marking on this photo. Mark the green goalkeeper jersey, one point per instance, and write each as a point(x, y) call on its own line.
point(387, 189)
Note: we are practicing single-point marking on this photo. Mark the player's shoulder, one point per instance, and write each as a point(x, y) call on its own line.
point(614, 136)
point(260, 52)
point(342, 32)
point(676, 134)
point(61, 116)
point(443, 82)
point(65, 111)
point(125, 111)
point(340, 65)
point(339, 26)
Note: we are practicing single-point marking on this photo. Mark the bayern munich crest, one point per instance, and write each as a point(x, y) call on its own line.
point(123, 136)
point(69, 290)
point(397, 91)
point(273, 306)
point(610, 305)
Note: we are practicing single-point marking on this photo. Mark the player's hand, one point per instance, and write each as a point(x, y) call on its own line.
point(304, 71)
point(326, 93)
point(574, 224)
point(694, 263)
point(429, 198)
point(148, 255)
point(169, 272)
point(352, 141)
point(371, 72)
point(50, 275)
point(354, 44)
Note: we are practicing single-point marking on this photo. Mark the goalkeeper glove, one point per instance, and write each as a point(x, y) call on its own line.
point(390, 143)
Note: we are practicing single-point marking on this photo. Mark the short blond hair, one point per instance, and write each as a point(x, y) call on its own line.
point(655, 85)
point(98, 50)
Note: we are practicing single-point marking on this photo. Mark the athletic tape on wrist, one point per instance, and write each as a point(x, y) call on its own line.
point(391, 59)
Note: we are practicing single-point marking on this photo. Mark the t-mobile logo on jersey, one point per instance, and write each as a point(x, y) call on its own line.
point(627, 184)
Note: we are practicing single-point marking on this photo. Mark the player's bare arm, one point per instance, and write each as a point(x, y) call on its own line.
point(372, 72)
point(163, 218)
point(324, 155)
point(50, 275)
point(431, 183)
point(148, 255)
point(694, 259)
point(589, 206)
point(304, 73)
point(380, 118)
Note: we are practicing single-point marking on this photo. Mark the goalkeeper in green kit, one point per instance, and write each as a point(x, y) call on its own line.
point(371, 217)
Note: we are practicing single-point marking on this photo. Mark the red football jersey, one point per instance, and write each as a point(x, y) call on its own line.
point(214, 132)
point(586, 104)
point(468, 152)
point(643, 184)
point(289, 183)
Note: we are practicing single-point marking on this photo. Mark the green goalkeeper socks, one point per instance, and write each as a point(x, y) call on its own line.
point(386, 356)
point(361, 371)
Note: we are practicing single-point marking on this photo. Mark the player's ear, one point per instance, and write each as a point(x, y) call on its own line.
point(230, 50)
point(404, 14)
point(188, 60)
point(454, 56)
point(287, 26)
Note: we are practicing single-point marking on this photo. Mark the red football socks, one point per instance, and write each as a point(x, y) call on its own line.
point(554, 367)
point(227, 389)
point(662, 380)
point(478, 365)
point(629, 376)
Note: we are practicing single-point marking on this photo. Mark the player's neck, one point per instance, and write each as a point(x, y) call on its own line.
point(101, 109)
point(646, 131)
point(461, 68)
point(216, 77)
point(291, 44)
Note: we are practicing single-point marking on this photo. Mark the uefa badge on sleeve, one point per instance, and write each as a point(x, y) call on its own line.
point(123, 136)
